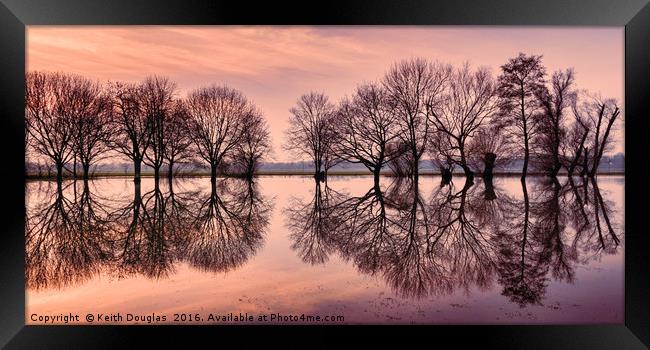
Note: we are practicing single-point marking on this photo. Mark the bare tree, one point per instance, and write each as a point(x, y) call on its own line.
point(489, 149)
point(132, 135)
point(157, 99)
point(91, 124)
point(366, 125)
point(400, 161)
point(552, 121)
point(216, 114)
point(177, 136)
point(599, 115)
point(415, 86)
point(520, 83)
point(311, 131)
point(441, 151)
point(573, 146)
point(470, 101)
point(255, 144)
point(50, 100)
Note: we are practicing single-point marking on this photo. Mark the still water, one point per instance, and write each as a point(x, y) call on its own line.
point(539, 253)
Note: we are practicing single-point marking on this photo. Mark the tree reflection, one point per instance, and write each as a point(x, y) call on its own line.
point(67, 237)
point(146, 244)
point(557, 229)
point(77, 234)
point(311, 223)
point(522, 274)
point(419, 242)
point(456, 238)
point(229, 226)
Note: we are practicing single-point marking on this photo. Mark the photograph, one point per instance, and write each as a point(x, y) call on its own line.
point(324, 175)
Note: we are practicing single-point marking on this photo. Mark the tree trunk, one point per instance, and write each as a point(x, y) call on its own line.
point(446, 176)
point(575, 160)
point(86, 170)
point(250, 169)
point(376, 174)
point(170, 171)
point(59, 172)
point(137, 164)
point(213, 172)
point(524, 171)
point(585, 163)
point(489, 159)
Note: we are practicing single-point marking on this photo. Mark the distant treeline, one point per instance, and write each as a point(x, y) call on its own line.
point(612, 165)
point(460, 117)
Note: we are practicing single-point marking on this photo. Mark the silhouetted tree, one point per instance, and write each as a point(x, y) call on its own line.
point(573, 147)
point(416, 87)
point(131, 128)
point(311, 131)
point(91, 125)
point(400, 161)
point(599, 115)
point(177, 137)
point(552, 121)
point(520, 84)
point(469, 102)
point(51, 101)
point(255, 145)
point(217, 113)
point(440, 149)
point(489, 149)
point(366, 125)
point(157, 102)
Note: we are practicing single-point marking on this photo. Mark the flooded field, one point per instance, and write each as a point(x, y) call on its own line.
point(509, 253)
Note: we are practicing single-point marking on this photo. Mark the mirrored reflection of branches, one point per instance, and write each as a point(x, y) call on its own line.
point(461, 222)
point(310, 224)
point(78, 234)
point(146, 244)
point(419, 246)
point(594, 221)
point(365, 232)
point(229, 226)
point(67, 237)
point(521, 273)
point(560, 226)
point(550, 229)
point(413, 268)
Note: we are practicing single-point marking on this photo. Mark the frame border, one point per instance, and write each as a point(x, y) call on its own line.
point(633, 14)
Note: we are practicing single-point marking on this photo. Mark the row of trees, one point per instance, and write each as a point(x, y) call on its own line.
point(462, 117)
point(72, 120)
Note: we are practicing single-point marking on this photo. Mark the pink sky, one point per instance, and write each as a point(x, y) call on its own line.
point(273, 66)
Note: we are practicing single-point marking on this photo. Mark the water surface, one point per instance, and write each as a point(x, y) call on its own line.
point(511, 253)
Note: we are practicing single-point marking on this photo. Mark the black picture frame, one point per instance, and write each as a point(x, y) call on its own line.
point(633, 14)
